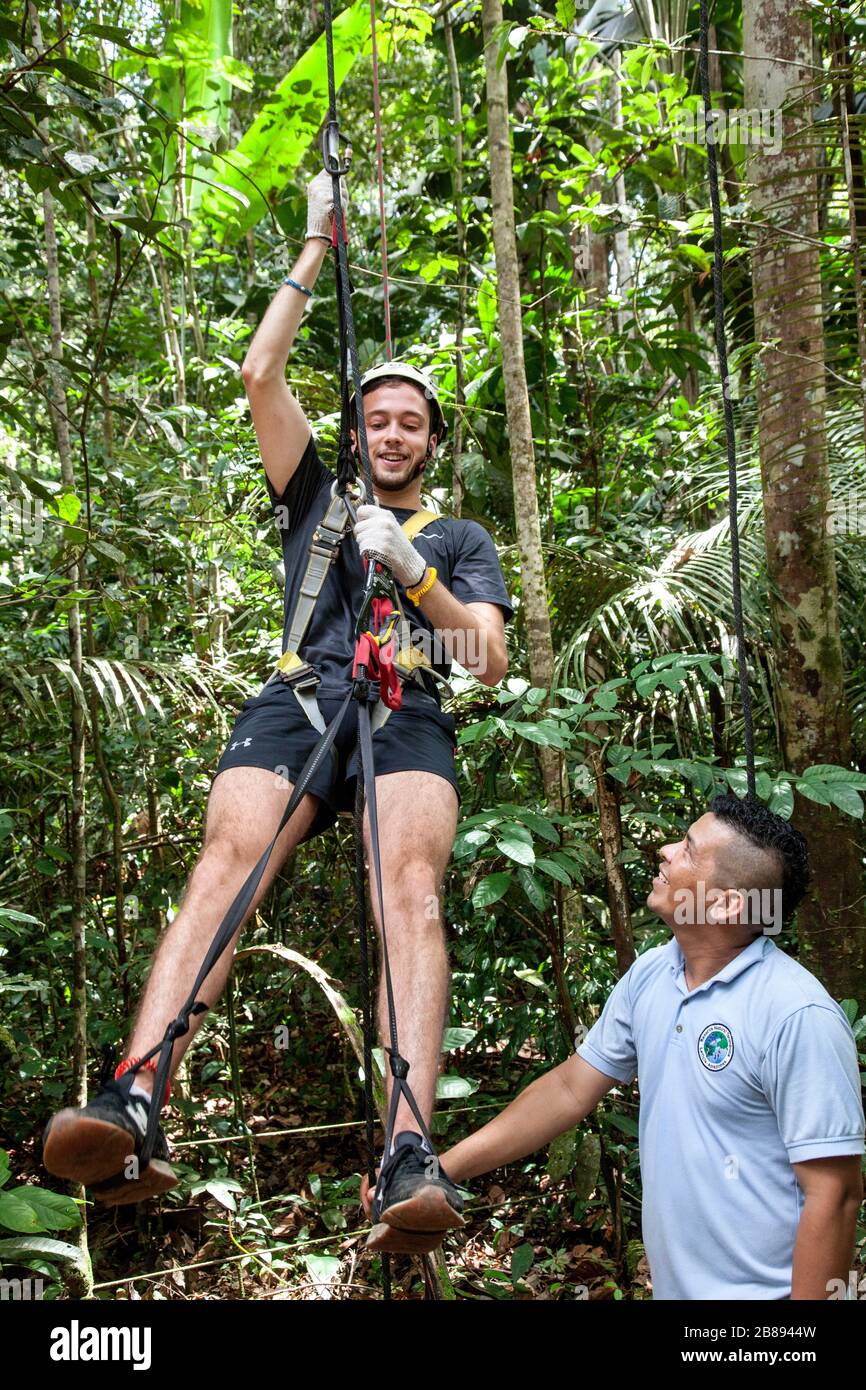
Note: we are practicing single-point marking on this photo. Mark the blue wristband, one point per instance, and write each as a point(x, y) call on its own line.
point(296, 286)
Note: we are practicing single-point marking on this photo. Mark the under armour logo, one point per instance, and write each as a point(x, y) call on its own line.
point(238, 744)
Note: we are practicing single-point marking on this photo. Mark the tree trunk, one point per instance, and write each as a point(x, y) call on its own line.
point(457, 484)
point(534, 589)
point(621, 250)
point(812, 709)
point(534, 602)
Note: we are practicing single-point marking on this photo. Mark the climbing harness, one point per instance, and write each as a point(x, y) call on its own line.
point(722, 350)
point(408, 660)
point(383, 656)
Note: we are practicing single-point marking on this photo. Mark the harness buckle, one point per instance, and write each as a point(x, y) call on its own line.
point(297, 672)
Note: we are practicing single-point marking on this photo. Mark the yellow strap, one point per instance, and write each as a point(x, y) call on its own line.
point(288, 661)
point(417, 521)
point(410, 657)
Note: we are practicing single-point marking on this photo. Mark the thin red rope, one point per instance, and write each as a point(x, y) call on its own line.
point(389, 351)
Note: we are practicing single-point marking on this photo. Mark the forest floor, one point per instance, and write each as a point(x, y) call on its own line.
point(297, 1230)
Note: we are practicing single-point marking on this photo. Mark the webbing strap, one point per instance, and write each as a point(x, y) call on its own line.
point(232, 920)
point(323, 550)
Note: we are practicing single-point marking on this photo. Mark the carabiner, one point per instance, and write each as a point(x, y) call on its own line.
point(331, 138)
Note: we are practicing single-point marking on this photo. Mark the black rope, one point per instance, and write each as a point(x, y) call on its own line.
point(230, 924)
point(378, 580)
point(730, 438)
point(348, 345)
point(366, 1003)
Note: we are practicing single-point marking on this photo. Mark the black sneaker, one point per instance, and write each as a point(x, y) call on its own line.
point(416, 1202)
point(94, 1145)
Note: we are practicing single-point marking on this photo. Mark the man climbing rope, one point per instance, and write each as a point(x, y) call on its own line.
point(451, 586)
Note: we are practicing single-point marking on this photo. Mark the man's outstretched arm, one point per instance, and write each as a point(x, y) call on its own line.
point(281, 426)
point(557, 1101)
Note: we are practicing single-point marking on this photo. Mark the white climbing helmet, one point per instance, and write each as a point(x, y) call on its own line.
point(406, 372)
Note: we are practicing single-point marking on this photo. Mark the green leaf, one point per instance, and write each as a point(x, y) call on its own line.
point(53, 1211)
point(782, 800)
point(455, 1087)
point(490, 889)
point(516, 844)
point(121, 37)
point(625, 1123)
point(21, 1249)
point(108, 552)
point(831, 772)
point(522, 1260)
point(18, 1215)
point(554, 870)
point(605, 699)
point(645, 685)
point(472, 733)
point(457, 1037)
point(621, 774)
point(695, 254)
point(264, 160)
point(223, 1190)
point(68, 507)
point(322, 1269)
point(763, 785)
point(474, 839)
point(547, 733)
point(532, 977)
point(849, 1008)
point(814, 791)
point(539, 824)
point(847, 799)
point(532, 888)
point(737, 780)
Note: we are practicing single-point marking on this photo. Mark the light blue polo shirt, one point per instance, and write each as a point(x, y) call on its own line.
point(754, 1070)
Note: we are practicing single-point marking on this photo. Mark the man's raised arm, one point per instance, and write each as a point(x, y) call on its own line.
point(281, 426)
point(555, 1102)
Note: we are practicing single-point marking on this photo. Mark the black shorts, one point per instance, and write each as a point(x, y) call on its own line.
point(273, 732)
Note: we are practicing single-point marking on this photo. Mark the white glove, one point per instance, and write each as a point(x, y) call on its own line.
point(320, 204)
point(379, 533)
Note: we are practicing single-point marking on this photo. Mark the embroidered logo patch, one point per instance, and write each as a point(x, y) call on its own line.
point(716, 1046)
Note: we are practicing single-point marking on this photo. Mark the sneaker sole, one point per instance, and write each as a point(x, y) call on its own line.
point(81, 1149)
point(416, 1226)
point(157, 1177)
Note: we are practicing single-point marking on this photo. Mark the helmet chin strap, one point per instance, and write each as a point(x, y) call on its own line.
point(422, 465)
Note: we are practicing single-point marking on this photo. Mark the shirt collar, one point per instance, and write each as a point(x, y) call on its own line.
point(755, 951)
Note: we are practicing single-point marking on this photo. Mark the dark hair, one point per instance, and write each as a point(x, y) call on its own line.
point(393, 381)
point(763, 828)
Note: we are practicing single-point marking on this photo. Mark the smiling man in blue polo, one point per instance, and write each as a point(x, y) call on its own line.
point(751, 1121)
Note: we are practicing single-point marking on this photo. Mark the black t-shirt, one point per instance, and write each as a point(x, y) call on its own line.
point(462, 551)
